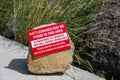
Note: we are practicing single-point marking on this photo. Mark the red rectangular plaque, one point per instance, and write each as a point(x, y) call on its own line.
point(49, 39)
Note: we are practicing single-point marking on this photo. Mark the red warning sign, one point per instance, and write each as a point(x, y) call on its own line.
point(49, 39)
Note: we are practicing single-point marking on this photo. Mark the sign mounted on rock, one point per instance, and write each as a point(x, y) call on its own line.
point(49, 39)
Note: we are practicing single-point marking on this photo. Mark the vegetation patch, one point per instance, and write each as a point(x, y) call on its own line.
point(78, 14)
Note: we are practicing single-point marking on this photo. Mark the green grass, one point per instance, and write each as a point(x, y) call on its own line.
point(31, 13)
point(6, 10)
point(78, 14)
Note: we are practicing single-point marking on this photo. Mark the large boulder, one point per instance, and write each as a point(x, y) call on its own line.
point(107, 56)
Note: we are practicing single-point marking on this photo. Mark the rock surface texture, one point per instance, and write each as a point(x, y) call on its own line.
point(13, 65)
point(108, 56)
point(53, 63)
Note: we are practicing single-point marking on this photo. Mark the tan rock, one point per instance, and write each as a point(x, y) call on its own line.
point(57, 62)
point(53, 63)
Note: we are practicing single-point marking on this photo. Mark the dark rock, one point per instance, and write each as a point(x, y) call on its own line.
point(108, 56)
point(114, 1)
point(9, 29)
